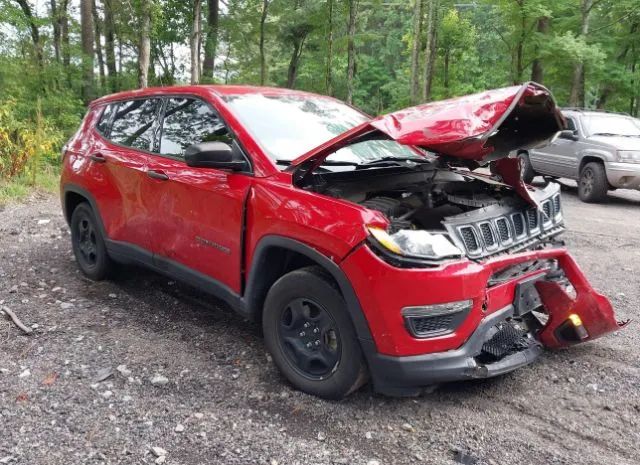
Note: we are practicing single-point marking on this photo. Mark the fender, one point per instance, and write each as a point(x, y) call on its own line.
point(251, 297)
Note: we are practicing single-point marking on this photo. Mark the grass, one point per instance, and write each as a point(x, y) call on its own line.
point(21, 186)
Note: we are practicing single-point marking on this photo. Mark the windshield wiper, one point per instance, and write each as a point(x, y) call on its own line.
point(607, 134)
point(393, 161)
point(324, 163)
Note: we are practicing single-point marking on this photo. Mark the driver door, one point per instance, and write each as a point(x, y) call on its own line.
point(197, 212)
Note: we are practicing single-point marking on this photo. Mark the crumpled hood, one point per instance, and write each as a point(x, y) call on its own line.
point(480, 127)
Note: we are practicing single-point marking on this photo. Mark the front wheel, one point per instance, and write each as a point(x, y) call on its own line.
point(309, 334)
point(593, 184)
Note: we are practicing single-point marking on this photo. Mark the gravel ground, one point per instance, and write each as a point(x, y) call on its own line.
point(118, 368)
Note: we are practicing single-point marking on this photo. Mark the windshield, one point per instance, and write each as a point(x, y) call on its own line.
point(287, 126)
point(615, 125)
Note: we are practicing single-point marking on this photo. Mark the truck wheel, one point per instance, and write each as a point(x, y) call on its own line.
point(88, 244)
point(310, 336)
point(526, 169)
point(593, 184)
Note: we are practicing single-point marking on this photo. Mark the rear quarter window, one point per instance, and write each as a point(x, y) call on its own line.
point(104, 123)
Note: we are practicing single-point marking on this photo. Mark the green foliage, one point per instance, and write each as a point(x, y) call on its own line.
point(480, 45)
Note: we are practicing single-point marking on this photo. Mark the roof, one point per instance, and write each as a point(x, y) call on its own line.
point(589, 110)
point(219, 90)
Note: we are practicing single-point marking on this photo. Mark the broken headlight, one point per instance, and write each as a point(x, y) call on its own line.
point(416, 244)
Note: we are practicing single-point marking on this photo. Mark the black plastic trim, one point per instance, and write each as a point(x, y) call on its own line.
point(408, 376)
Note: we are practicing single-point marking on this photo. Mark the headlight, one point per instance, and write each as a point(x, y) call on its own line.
point(417, 244)
point(629, 156)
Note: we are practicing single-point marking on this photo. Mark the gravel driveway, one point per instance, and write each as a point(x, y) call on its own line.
point(144, 370)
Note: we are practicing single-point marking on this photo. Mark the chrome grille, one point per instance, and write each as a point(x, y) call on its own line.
point(508, 231)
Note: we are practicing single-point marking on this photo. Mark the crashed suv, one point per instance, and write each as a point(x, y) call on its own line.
point(368, 249)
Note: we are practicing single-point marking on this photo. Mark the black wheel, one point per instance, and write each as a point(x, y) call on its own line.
point(310, 336)
point(593, 184)
point(88, 244)
point(526, 169)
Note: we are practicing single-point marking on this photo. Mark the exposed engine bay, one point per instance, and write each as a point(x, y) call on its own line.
point(477, 213)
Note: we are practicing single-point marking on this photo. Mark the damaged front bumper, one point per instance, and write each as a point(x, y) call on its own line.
point(574, 312)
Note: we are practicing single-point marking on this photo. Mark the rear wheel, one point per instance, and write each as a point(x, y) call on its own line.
point(526, 169)
point(310, 336)
point(88, 244)
point(593, 184)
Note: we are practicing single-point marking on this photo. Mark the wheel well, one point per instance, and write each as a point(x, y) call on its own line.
point(274, 263)
point(589, 159)
point(71, 201)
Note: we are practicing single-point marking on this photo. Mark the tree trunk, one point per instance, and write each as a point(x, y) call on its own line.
point(195, 41)
point(263, 60)
point(144, 46)
point(577, 95)
point(109, 45)
point(447, 55)
point(57, 32)
point(33, 30)
point(351, 49)
point(537, 68)
point(328, 80)
point(294, 63)
point(211, 43)
point(64, 26)
point(98, 42)
point(415, 52)
point(430, 50)
point(87, 40)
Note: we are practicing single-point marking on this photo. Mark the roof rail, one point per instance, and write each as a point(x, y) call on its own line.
point(580, 109)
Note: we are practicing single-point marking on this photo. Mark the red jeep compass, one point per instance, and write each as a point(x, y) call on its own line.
point(367, 248)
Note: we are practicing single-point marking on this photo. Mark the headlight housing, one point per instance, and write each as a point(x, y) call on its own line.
point(629, 156)
point(415, 244)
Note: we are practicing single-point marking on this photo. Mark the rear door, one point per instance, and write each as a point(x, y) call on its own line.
point(128, 129)
point(196, 213)
point(559, 158)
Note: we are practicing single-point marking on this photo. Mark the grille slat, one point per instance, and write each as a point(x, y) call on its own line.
point(503, 230)
point(546, 208)
point(518, 224)
point(487, 235)
point(469, 238)
point(532, 219)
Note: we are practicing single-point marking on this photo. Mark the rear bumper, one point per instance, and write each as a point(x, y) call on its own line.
point(407, 376)
point(624, 175)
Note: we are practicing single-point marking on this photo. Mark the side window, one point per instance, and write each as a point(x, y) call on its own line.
point(105, 119)
point(133, 124)
point(189, 121)
point(571, 125)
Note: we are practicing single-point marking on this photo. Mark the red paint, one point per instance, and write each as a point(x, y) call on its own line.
point(467, 127)
point(168, 217)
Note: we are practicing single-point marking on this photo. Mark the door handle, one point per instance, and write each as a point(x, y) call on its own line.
point(97, 157)
point(159, 175)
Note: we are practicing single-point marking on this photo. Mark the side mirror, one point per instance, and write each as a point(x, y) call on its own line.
point(568, 134)
point(213, 155)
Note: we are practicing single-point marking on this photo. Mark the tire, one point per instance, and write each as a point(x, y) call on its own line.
point(593, 184)
point(310, 336)
point(88, 244)
point(526, 169)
